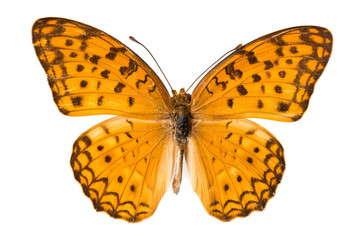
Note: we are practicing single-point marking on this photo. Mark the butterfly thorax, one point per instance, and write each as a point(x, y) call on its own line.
point(181, 117)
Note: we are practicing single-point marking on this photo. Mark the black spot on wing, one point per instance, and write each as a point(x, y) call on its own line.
point(83, 84)
point(128, 134)
point(83, 46)
point(73, 55)
point(228, 136)
point(238, 178)
point(79, 68)
point(268, 64)
point(278, 89)
point(279, 52)
point(131, 101)
point(94, 59)
point(130, 69)
point(120, 179)
point(76, 101)
point(293, 50)
point(105, 73)
point(232, 72)
point(108, 158)
point(69, 42)
point(242, 90)
point(251, 57)
point(282, 74)
point(283, 107)
point(256, 77)
point(111, 56)
point(119, 87)
point(100, 100)
point(230, 102)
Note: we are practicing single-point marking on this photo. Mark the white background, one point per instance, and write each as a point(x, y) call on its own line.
point(319, 195)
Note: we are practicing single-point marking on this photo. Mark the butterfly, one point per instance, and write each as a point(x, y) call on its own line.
point(126, 164)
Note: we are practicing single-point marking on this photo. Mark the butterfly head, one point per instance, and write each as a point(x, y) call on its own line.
point(180, 99)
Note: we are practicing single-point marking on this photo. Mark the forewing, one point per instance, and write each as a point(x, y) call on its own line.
point(272, 77)
point(90, 72)
point(235, 166)
point(125, 166)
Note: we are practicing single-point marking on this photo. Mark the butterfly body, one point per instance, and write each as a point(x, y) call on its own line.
point(181, 129)
point(181, 117)
point(126, 163)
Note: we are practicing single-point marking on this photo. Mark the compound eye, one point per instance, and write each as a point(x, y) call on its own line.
point(188, 97)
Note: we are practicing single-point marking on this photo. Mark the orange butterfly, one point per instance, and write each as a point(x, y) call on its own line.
point(125, 164)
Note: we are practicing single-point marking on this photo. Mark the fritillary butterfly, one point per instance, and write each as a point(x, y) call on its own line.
point(125, 164)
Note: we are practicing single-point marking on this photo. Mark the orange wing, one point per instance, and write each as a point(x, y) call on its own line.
point(125, 166)
point(90, 72)
point(272, 77)
point(234, 166)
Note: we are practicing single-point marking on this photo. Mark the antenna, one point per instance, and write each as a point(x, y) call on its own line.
point(232, 50)
point(133, 39)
